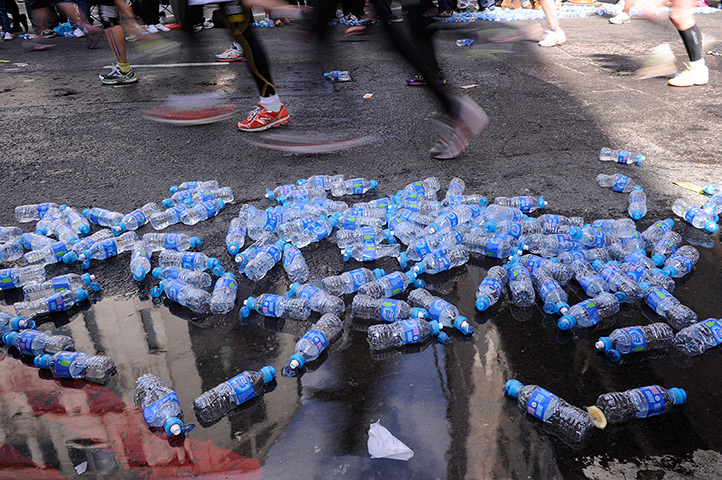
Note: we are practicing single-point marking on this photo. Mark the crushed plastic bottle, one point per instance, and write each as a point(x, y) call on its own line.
point(264, 261)
point(406, 332)
point(550, 292)
point(140, 261)
point(491, 245)
point(618, 183)
point(313, 343)
point(653, 276)
point(440, 310)
point(270, 305)
point(362, 236)
point(389, 285)
point(33, 241)
point(489, 290)
point(32, 213)
point(57, 302)
point(423, 246)
point(110, 247)
point(192, 277)
point(550, 245)
point(91, 368)
point(319, 300)
point(36, 342)
point(168, 217)
point(655, 231)
point(623, 341)
point(294, 264)
point(661, 301)
point(371, 252)
point(11, 251)
point(324, 181)
point(197, 261)
point(53, 253)
point(427, 188)
point(587, 313)
point(70, 281)
point(223, 193)
point(185, 294)
point(302, 194)
point(590, 256)
point(665, 247)
point(699, 337)
point(349, 282)
point(561, 272)
point(137, 218)
point(103, 217)
point(224, 294)
point(623, 287)
point(695, 216)
point(451, 218)
point(160, 405)
point(520, 284)
point(201, 212)
point(640, 402)
point(236, 235)
point(384, 309)
point(170, 241)
point(337, 76)
point(526, 204)
point(620, 156)
point(591, 282)
point(681, 262)
point(356, 186)
point(625, 254)
point(439, 261)
point(222, 399)
point(195, 184)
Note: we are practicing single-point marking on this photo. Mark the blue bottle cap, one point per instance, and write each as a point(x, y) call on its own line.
point(541, 203)
point(173, 189)
point(658, 259)
point(562, 307)
point(669, 222)
point(420, 313)
point(119, 228)
point(346, 254)
point(640, 159)
point(268, 373)
point(711, 227)
point(212, 263)
point(403, 260)
point(81, 295)
point(575, 233)
point(389, 236)
point(613, 356)
point(297, 361)
point(434, 327)
point(289, 372)
point(219, 271)
point(678, 395)
point(294, 288)
point(566, 322)
point(637, 215)
point(483, 201)
point(442, 337)
point(220, 204)
point(87, 278)
point(229, 275)
point(86, 212)
point(157, 271)
point(167, 203)
point(490, 226)
point(41, 231)
point(85, 265)
point(139, 274)
point(669, 270)
point(155, 292)
point(43, 361)
point(10, 337)
point(84, 229)
point(195, 242)
point(433, 228)
point(70, 257)
point(374, 183)
point(244, 312)
point(419, 268)
point(300, 182)
point(233, 248)
point(19, 323)
point(597, 265)
point(462, 325)
point(604, 344)
point(513, 387)
point(250, 302)
point(96, 287)
point(482, 303)
point(173, 426)
point(549, 308)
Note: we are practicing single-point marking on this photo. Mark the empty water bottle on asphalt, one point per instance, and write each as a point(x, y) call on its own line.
point(618, 227)
point(33, 241)
point(223, 193)
point(491, 245)
point(699, 337)
point(168, 217)
point(301, 194)
point(623, 341)
point(197, 261)
point(550, 292)
point(319, 300)
point(270, 305)
point(623, 287)
point(661, 301)
point(406, 332)
point(294, 264)
point(103, 217)
point(620, 156)
point(550, 245)
point(489, 290)
point(451, 218)
point(551, 223)
point(625, 254)
point(185, 294)
point(526, 204)
point(224, 294)
point(423, 246)
point(713, 205)
point(681, 262)
point(356, 186)
point(140, 261)
point(137, 218)
point(315, 232)
point(349, 282)
point(587, 313)
point(192, 277)
point(56, 302)
point(439, 261)
point(592, 283)
point(653, 276)
point(361, 236)
point(384, 309)
point(640, 402)
point(464, 42)
point(590, 256)
point(91, 368)
point(160, 405)
point(53, 253)
point(170, 241)
point(637, 203)
point(440, 310)
point(9, 323)
point(427, 188)
point(36, 342)
point(264, 261)
point(655, 231)
point(324, 181)
point(313, 343)
point(404, 231)
point(665, 247)
point(110, 247)
point(181, 197)
point(371, 252)
point(618, 182)
point(520, 284)
point(695, 216)
point(221, 400)
point(389, 285)
point(31, 213)
point(562, 273)
point(337, 76)
point(236, 235)
point(11, 251)
point(71, 281)
point(201, 212)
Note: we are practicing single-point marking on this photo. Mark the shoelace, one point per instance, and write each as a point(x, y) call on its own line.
point(254, 113)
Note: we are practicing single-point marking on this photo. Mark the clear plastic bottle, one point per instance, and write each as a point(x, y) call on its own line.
point(561, 272)
point(591, 237)
point(618, 183)
point(665, 247)
point(349, 282)
point(440, 310)
point(85, 244)
point(75, 220)
point(592, 283)
point(554, 298)
point(111, 247)
point(587, 313)
point(438, 261)
point(221, 400)
point(655, 336)
point(71, 281)
point(223, 193)
point(201, 212)
point(36, 342)
point(168, 217)
point(423, 246)
point(552, 223)
point(620, 156)
point(236, 235)
point(56, 302)
point(713, 205)
point(302, 194)
point(406, 332)
point(137, 218)
point(371, 252)
point(624, 288)
point(452, 200)
point(464, 42)
point(47, 255)
point(179, 242)
point(264, 261)
point(451, 218)
point(637, 203)
point(11, 251)
point(682, 262)
point(31, 213)
point(18, 277)
point(294, 264)
point(570, 421)
point(288, 229)
point(661, 301)
point(550, 245)
point(313, 343)
point(319, 300)
point(356, 186)
point(456, 187)
point(618, 227)
point(33, 241)
point(9, 233)
point(270, 305)
point(498, 213)
point(323, 181)
point(190, 185)
point(695, 216)
point(197, 261)
point(362, 236)
point(159, 404)
point(404, 231)
point(315, 232)
point(526, 204)
point(338, 76)
point(224, 294)
point(103, 217)
point(699, 337)
point(279, 191)
point(181, 197)
point(140, 261)
point(192, 277)
point(91, 368)
point(489, 290)
point(185, 294)
point(426, 188)
point(384, 309)
point(590, 256)
point(520, 284)
point(654, 276)
point(625, 254)
point(640, 402)
point(657, 230)
point(9, 323)
point(389, 285)
point(491, 245)
point(514, 229)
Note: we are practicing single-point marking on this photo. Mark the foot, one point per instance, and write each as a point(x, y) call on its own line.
point(78, 33)
point(8, 36)
point(698, 75)
point(261, 119)
point(233, 54)
point(151, 29)
point(468, 119)
point(659, 63)
point(553, 38)
point(620, 19)
point(116, 77)
point(161, 28)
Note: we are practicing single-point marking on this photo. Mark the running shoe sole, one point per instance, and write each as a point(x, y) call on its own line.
point(191, 117)
point(275, 123)
point(229, 60)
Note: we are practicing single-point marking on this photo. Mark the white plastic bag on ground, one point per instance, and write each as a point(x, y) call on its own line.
point(384, 445)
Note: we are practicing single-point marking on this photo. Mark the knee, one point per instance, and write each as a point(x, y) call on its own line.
point(681, 19)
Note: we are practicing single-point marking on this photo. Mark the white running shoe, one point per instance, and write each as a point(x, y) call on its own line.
point(697, 75)
point(162, 28)
point(233, 54)
point(659, 63)
point(78, 33)
point(8, 36)
point(553, 38)
point(620, 19)
point(151, 29)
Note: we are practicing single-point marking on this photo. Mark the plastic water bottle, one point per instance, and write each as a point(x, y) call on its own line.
point(168, 217)
point(221, 400)
point(624, 288)
point(356, 186)
point(9, 323)
point(637, 203)
point(464, 42)
point(191, 260)
point(625, 254)
point(452, 200)
point(682, 262)
point(324, 181)
point(103, 217)
point(591, 237)
point(389, 285)
point(554, 298)
point(91, 368)
point(75, 220)
point(338, 76)
point(421, 220)
point(18, 277)
point(406, 332)
point(498, 213)
point(665, 247)
point(622, 341)
point(620, 156)
point(404, 231)
point(294, 264)
point(201, 212)
point(324, 206)
point(657, 230)
point(570, 421)
point(489, 290)
point(384, 309)
point(699, 337)
point(111, 247)
point(250, 252)
point(206, 184)
point(11, 251)
point(270, 305)
point(640, 402)
point(224, 294)
point(137, 218)
point(32, 213)
point(183, 196)
point(288, 229)
point(236, 235)
point(551, 223)
point(315, 232)
point(56, 302)
point(618, 183)
point(223, 193)
point(170, 241)
point(85, 244)
point(562, 273)
point(587, 313)
point(661, 301)
point(264, 261)
point(713, 205)
point(47, 255)
point(440, 310)
point(427, 188)
point(349, 282)
point(279, 191)
point(654, 276)
point(618, 227)
point(371, 252)
point(36, 342)
point(514, 229)
point(520, 284)
point(526, 204)
point(319, 300)
point(140, 261)
point(71, 281)
point(191, 277)
point(302, 194)
point(438, 261)
point(590, 256)
point(592, 283)
point(635, 241)
point(313, 343)
point(187, 295)
point(160, 405)
point(451, 218)
point(695, 216)
point(550, 245)
point(439, 241)
point(491, 245)
point(362, 236)
point(33, 241)
point(456, 187)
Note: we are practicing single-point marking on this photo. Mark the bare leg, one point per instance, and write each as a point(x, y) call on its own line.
point(555, 35)
point(116, 39)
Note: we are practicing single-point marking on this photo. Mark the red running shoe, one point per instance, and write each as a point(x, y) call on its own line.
point(261, 118)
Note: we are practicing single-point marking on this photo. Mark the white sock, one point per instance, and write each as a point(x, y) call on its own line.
point(696, 64)
point(272, 103)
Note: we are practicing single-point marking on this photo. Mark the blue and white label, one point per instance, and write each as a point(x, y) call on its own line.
point(171, 241)
point(140, 217)
point(685, 261)
point(437, 307)
point(636, 272)
point(56, 303)
point(493, 283)
point(620, 183)
point(453, 218)
point(534, 262)
point(226, 282)
point(274, 252)
point(317, 338)
point(290, 256)
point(656, 297)
point(623, 156)
point(422, 247)
point(6, 279)
point(599, 239)
point(110, 249)
point(357, 186)
point(173, 290)
point(94, 215)
point(63, 361)
point(539, 402)
point(308, 291)
point(551, 222)
point(206, 196)
point(655, 400)
point(42, 209)
point(517, 271)
point(319, 231)
point(396, 282)
point(271, 222)
point(515, 229)
point(349, 223)
point(59, 249)
point(548, 288)
point(188, 260)
point(491, 248)
point(454, 199)
point(411, 331)
point(358, 277)
point(693, 212)
point(60, 283)
point(368, 235)
point(151, 411)
point(211, 210)
point(243, 388)
point(268, 306)
point(368, 253)
point(389, 310)
point(442, 263)
point(590, 306)
point(637, 340)
point(418, 188)
point(715, 328)
point(525, 204)
point(565, 242)
point(587, 280)
point(635, 257)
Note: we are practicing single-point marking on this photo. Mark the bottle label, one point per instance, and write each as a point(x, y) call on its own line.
point(620, 183)
point(599, 239)
point(422, 247)
point(211, 210)
point(436, 307)
point(274, 252)
point(518, 270)
point(654, 298)
point(381, 203)
point(525, 204)
point(191, 185)
point(308, 291)
point(271, 222)
point(59, 249)
point(368, 235)
point(306, 221)
point(577, 254)
point(587, 280)
point(396, 282)
point(457, 236)
point(693, 212)
point(493, 283)
point(565, 242)
point(548, 288)
point(60, 283)
point(317, 338)
point(42, 208)
point(637, 340)
point(515, 229)
point(184, 195)
point(6, 279)
point(94, 216)
point(635, 257)
point(388, 310)
point(623, 156)
point(686, 261)
point(492, 246)
point(655, 400)
point(243, 388)
point(534, 262)
point(418, 188)
point(171, 241)
point(368, 253)
point(405, 214)
point(349, 223)
point(319, 181)
point(635, 272)
point(174, 289)
point(290, 255)
point(539, 402)
point(140, 217)
point(669, 244)
point(173, 272)
point(268, 307)
point(63, 360)
point(611, 271)
point(590, 306)
point(412, 331)
point(187, 260)
point(358, 277)
point(319, 231)
point(442, 262)
point(357, 186)
point(109, 247)
point(206, 196)
point(662, 226)
point(151, 411)
point(455, 187)
point(454, 199)
point(453, 218)
point(716, 328)
point(236, 231)
point(551, 222)
point(26, 339)
point(56, 303)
